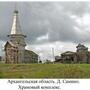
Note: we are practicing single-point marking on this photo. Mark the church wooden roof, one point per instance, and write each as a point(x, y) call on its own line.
point(16, 29)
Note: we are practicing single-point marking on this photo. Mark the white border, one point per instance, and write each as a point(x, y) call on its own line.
point(84, 84)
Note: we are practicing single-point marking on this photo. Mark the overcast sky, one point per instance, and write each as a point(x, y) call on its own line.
point(58, 25)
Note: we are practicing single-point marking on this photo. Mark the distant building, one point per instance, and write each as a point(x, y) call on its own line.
point(82, 55)
point(15, 47)
point(0, 58)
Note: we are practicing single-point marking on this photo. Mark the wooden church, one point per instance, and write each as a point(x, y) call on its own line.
point(15, 51)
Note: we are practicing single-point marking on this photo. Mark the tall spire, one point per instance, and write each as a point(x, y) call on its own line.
point(16, 29)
